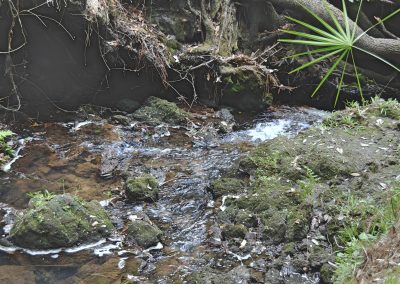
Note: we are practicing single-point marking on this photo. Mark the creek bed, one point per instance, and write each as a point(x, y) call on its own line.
point(91, 158)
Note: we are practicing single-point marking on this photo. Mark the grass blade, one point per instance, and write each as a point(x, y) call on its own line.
point(341, 79)
point(319, 59)
point(330, 71)
point(379, 58)
point(357, 76)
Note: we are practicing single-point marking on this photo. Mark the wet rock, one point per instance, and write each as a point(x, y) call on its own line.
point(238, 275)
point(273, 277)
point(208, 276)
point(143, 233)
point(144, 188)
point(274, 226)
point(226, 115)
point(121, 119)
point(157, 110)
point(231, 231)
point(60, 221)
point(227, 123)
point(225, 186)
point(128, 105)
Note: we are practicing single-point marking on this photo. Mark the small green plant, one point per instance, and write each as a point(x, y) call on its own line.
point(44, 195)
point(4, 147)
point(307, 185)
point(387, 108)
point(366, 222)
point(332, 42)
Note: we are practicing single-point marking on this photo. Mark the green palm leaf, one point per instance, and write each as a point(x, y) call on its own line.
point(333, 40)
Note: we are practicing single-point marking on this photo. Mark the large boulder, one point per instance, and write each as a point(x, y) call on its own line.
point(54, 221)
point(157, 111)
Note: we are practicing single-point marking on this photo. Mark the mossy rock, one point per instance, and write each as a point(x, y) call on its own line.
point(244, 88)
point(157, 111)
point(225, 186)
point(60, 221)
point(245, 217)
point(234, 231)
point(208, 276)
point(144, 188)
point(326, 273)
point(298, 224)
point(143, 233)
point(274, 226)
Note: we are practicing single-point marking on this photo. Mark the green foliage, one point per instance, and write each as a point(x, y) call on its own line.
point(4, 147)
point(43, 195)
point(307, 185)
point(334, 42)
point(5, 134)
point(366, 222)
point(387, 108)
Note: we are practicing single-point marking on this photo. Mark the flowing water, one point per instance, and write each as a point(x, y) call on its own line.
point(91, 158)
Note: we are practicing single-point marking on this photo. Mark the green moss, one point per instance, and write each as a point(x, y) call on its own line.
point(225, 186)
point(274, 226)
point(245, 217)
point(326, 273)
point(60, 221)
point(157, 110)
point(234, 231)
point(144, 188)
point(244, 81)
point(143, 233)
point(5, 150)
point(298, 224)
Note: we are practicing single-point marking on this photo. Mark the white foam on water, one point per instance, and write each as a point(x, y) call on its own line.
point(85, 247)
point(157, 247)
point(239, 257)
point(107, 249)
point(122, 263)
point(7, 166)
point(268, 130)
point(224, 198)
point(100, 251)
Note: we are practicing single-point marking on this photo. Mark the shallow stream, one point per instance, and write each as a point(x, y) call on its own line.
point(92, 157)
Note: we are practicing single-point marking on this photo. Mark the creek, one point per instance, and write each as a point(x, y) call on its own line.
point(91, 158)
